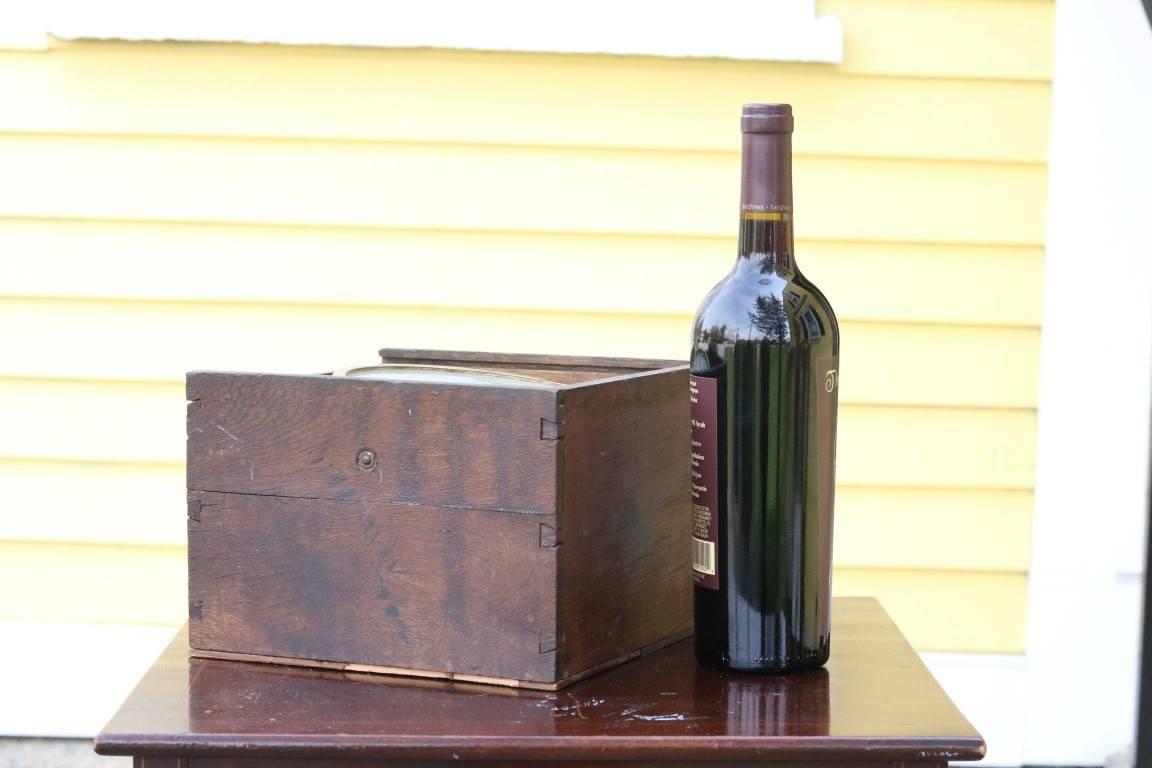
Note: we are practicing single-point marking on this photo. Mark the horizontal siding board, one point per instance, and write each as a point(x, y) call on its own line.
point(938, 610)
point(946, 610)
point(936, 447)
point(882, 363)
point(109, 503)
point(939, 365)
point(94, 583)
point(933, 528)
point(924, 447)
point(946, 38)
point(943, 528)
point(897, 282)
point(90, 421)
point(407, 96)
point(499, 188)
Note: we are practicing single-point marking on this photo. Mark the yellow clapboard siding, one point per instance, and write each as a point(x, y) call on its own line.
point(650, 275)
point(935, 447)
point(111, 503)
point(502, 188)
point(938, 610)
point(946, 38)
point(947, 610)
point(933, 528)
point(294, 208)
point(92, 583)
point(882, 363)
point(908, 365)
point(407, 96)
point(943, 528)
point(924, 447)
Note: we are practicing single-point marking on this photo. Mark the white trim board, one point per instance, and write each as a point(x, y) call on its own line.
point(989, 690)
point(1095, 390)
point(68, 679)
point(773, 30)
point(23, 25)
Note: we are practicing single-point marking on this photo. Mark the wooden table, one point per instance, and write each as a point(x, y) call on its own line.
point(874, 705)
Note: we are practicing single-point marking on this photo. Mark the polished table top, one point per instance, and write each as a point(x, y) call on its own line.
point(874, 702)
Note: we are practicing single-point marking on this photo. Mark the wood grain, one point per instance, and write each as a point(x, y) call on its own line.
point(413, 527)
point(375, 669)
point(300, 436)
point(625, 577)
point(243, 762)
point(875, 704)
point(425, 588)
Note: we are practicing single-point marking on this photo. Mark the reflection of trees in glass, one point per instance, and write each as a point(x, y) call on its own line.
point(715, 333)
point(768, 317)
point(767, 263)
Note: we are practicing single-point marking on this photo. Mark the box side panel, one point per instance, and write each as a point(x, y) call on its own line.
point(625, 578)
point(348, 439)
point(462, 591)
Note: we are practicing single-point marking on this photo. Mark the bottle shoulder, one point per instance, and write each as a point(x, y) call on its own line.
point(769, 307)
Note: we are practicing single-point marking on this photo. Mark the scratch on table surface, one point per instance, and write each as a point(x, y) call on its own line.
point(228, 433)
point(671, 718)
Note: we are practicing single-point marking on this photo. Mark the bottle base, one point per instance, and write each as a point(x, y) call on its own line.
point(814, 660)
point(765, 671)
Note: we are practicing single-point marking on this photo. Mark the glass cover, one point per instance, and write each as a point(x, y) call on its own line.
point(441, 374)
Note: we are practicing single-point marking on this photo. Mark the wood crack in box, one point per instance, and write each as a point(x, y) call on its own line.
point(527, 529)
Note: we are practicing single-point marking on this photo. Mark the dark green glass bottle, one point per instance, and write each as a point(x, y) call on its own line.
point(764, 385)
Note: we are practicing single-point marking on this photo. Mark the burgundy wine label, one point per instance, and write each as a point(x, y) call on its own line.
point(702, 394)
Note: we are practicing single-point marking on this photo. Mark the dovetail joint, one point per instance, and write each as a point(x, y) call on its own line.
point(549, 430)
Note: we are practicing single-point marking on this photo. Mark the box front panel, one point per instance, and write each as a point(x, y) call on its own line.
point(398, 585)
point(347, 439)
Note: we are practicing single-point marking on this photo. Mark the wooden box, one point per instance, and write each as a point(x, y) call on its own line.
point(524, 535)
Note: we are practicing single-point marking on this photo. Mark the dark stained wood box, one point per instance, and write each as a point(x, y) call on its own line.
point(517, 535)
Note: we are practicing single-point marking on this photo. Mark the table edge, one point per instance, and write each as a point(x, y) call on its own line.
point(702, 748)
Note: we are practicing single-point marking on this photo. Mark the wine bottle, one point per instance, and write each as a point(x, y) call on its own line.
point(763, 390)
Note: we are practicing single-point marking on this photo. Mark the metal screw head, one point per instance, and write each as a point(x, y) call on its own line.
point(366, 459)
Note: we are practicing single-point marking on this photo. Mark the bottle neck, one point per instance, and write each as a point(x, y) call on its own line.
point(766, 202)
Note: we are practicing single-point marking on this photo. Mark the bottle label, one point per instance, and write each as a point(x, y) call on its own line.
point(702, 395)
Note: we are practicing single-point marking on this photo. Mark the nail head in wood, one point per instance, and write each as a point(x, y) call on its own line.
point(366, 459)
